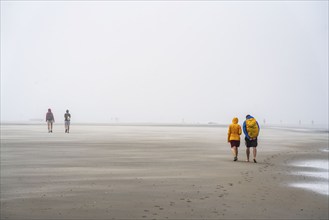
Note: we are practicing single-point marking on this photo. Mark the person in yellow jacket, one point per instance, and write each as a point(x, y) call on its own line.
point(233, 137)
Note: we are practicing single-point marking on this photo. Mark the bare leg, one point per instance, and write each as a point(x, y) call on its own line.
point(248, 153)
point(234, 150)
point(254, 151)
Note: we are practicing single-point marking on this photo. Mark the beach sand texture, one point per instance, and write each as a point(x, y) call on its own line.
point(158, 172)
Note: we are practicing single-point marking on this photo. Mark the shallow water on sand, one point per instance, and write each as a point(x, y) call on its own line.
point(315, 173)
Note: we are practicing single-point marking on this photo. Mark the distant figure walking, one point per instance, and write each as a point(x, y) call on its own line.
point(233, 137)
point(67, 119)
point(50, 120)
point(251, 131)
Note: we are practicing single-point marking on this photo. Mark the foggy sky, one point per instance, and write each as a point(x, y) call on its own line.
point(165, 61)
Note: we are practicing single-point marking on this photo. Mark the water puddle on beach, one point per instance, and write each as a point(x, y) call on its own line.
point(316, 175)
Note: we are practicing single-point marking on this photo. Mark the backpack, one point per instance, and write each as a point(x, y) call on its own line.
point(252, 128)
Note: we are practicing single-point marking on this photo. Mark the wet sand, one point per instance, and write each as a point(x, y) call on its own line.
point(157, 172)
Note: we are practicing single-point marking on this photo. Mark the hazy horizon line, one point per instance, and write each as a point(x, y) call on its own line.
point(182, 124)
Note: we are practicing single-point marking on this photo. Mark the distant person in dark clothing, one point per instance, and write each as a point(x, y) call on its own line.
point(50, 120)
point(67, 118)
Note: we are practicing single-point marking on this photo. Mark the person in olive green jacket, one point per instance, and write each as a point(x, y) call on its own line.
point(233, 137)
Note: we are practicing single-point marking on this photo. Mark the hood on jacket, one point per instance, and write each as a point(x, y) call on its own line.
point(235, 120)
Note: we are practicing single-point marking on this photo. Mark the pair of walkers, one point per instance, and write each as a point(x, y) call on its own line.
point(250, 130)
point(50, 120)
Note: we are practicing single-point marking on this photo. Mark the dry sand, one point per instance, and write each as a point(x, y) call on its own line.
point(156, 172)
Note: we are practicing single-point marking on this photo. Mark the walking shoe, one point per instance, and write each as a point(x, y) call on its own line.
point(255, 161)
point(235, 158)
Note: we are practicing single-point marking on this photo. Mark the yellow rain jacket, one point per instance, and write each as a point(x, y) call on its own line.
point(251, 128)
point(234, 131)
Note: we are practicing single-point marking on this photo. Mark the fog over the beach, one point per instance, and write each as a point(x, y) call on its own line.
point(165, 61)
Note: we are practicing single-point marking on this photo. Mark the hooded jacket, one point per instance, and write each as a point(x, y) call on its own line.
point(251, 128)
point(234, 131)
point(50, 116)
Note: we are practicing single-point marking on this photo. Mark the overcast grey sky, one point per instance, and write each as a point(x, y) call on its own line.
point(165, 61)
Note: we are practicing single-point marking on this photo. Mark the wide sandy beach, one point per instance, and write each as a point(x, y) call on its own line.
point(160, 172)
